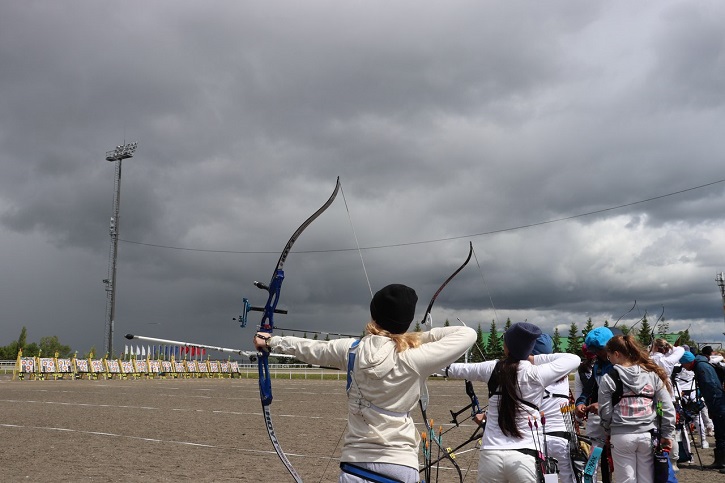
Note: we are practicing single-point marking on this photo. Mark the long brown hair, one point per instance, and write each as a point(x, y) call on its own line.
point(509, 403)
point(407, 340)
point(631, 349)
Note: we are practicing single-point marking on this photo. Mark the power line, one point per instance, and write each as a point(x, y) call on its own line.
point(436, 240)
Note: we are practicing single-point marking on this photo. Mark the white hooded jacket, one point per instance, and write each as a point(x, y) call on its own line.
point(389, 381)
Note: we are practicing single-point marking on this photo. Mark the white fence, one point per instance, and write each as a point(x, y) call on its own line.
point(287, 371)
point(7, 367)
point(293, 371)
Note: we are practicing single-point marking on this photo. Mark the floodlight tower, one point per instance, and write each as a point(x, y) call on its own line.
point(720, 279)
point(124, 151)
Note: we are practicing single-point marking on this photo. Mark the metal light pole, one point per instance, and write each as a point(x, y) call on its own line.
point(122, 152)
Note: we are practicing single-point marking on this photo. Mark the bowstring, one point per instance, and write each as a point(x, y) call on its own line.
point(357, 244)
point(485, 285)
point(495, 317)
point(370, 288)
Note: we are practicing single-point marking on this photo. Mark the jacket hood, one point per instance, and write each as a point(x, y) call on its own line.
point(374, 356)
point(634, 377)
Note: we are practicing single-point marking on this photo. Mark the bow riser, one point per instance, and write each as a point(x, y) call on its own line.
point(267, 325)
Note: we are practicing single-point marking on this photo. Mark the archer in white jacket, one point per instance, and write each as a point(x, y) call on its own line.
point(389, 368)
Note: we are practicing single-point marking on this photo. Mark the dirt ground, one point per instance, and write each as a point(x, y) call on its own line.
point(197, 430)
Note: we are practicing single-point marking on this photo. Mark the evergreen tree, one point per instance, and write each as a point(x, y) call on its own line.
point(417, 327)
point(508, 324)
point(589, 327)
point(573, 339)
point(606, 323)
point(663, 328)
point(645, 333)
point(495, 345)
point(447, 323)
point(477, 349)
point(556, 340)
point(23, 339)
point(685, 339)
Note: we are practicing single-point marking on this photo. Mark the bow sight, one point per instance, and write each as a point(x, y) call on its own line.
point(247, 307)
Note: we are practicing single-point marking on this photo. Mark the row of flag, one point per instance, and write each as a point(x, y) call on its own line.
point(165, 352)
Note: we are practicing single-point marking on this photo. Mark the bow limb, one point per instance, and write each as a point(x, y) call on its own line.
point(620, 318)
point(267, 325)
point(440, 289)
point(424, 398)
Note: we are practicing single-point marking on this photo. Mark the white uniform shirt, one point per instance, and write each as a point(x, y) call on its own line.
point(532, 380)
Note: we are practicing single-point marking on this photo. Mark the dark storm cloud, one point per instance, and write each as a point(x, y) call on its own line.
point(442, 120)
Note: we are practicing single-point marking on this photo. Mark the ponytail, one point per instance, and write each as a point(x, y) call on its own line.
point(509, 403)
point(408, 340)
point(631, 349)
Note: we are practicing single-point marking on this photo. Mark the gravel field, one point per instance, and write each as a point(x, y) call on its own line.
point(198, 430)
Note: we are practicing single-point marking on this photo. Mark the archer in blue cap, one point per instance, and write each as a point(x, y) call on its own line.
point(597, 339)
point(687, 357)
point(588, 402)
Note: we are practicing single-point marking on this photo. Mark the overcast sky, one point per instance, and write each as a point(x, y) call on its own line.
point(447, 122)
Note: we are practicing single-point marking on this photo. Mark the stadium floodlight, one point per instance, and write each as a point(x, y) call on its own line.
point(124, 151)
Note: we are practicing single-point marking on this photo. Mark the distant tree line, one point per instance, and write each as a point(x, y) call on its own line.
point(491, 347)
point(47, 347)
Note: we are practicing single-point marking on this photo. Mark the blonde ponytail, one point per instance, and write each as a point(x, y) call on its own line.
point(408, 340)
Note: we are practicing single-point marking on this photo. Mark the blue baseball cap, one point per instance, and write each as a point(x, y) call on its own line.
point(597, 338)
point(543, 345)
point(687, 357)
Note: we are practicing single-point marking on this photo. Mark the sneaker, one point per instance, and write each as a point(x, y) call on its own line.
point(705, 444)
point(675, 468)
point(710, 432)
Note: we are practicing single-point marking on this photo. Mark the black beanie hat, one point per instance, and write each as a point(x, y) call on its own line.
point(393, 308)
point(520, 340)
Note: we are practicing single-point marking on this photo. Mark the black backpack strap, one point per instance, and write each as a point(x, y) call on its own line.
point(618, 387)
point(548, 395)
point(493, 381)
point(618, 393)
point(493, 387)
